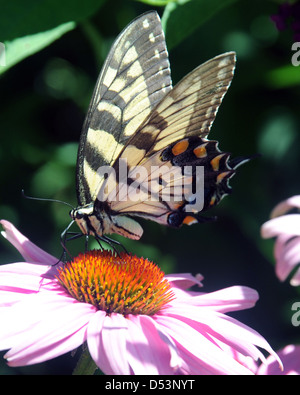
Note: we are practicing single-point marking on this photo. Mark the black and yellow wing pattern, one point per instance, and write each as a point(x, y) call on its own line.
point(134, 78)
point(144, 150)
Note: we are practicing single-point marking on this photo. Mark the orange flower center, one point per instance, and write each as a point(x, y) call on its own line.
point(122, 284)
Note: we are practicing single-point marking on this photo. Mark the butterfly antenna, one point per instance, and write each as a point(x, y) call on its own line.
point(46, 200)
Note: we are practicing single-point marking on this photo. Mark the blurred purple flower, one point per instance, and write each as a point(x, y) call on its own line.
point(288, 15)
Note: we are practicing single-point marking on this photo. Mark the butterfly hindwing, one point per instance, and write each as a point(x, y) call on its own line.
point(134, 78)
point(168, 191)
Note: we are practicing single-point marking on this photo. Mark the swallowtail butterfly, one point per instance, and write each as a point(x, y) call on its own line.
point(137, 120)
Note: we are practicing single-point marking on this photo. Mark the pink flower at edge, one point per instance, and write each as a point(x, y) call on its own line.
point(192, 334)
point(290, 357)
point(286, 229)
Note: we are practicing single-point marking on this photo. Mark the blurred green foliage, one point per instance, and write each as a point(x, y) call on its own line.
point(44, 99)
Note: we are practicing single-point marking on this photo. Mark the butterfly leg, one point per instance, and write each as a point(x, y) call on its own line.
point(86, 243)
point(64, 240)
point(111, 242)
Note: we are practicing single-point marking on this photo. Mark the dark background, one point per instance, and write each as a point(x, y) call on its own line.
point(45, 97)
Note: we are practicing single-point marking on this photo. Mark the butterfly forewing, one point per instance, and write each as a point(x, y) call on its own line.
point(134, 78)
point(188, 109)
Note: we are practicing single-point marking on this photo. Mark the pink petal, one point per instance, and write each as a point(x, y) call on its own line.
point(287, 255)
point(228, 299)
point(111, 356)
point(287, 224)
point(95, 343)
point(147, 352)
point(7, 299)
point(224, 300)
point(295, 280)
point(27, 249)
point(21, 277)
point(184, 280)
point(285, 206)
point(43, 328)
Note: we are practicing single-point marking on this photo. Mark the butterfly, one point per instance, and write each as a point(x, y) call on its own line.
point(143, 149)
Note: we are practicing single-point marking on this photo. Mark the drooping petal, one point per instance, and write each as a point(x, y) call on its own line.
point(287, 224)
point(205, 354)
point(27, 249)
point(240, 337)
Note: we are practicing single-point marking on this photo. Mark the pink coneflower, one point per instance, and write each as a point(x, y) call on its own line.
point(134, 319)
point(287, 246)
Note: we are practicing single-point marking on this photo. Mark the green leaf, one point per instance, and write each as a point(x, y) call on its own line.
point(26, 27)
point(20, 18)
point(157, 3)
point(20, 48)
point(182, 18)
point(85, 365)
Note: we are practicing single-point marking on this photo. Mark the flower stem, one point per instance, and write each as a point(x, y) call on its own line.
point(85, 365)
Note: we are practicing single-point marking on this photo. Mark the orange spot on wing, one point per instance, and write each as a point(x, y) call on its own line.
point(221, 176)
point(215, 162)
point(200, 151)
point(180, 147)
point(212, 201)
point(189, 220)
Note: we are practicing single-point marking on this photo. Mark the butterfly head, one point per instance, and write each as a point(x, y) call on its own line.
point(82, 215)
point(97, 220)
